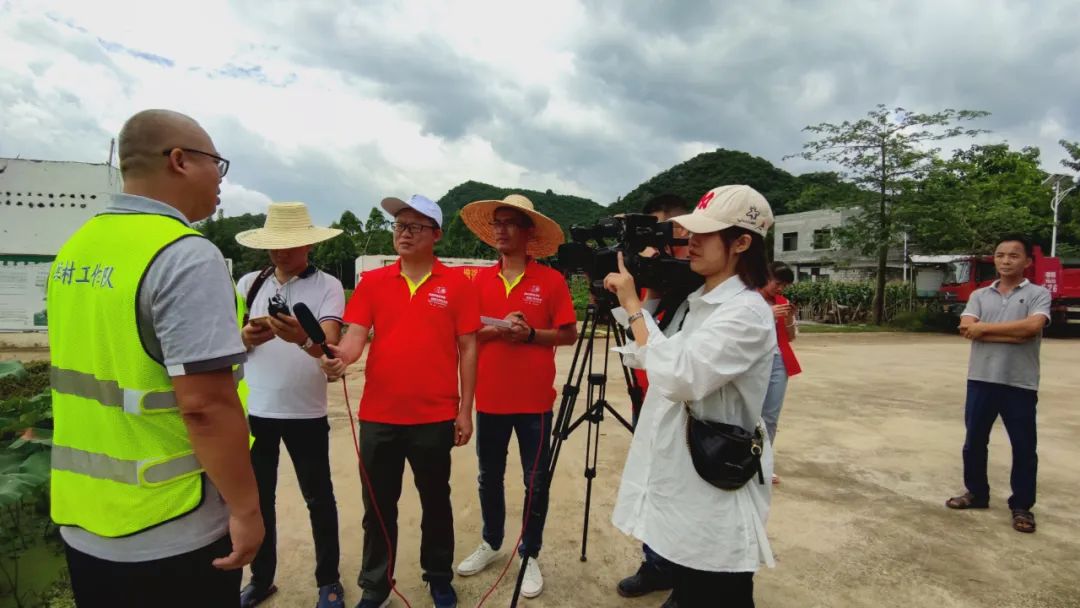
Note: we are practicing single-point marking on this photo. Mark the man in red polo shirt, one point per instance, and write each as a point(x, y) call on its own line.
point(425, 319)
point(515, 384)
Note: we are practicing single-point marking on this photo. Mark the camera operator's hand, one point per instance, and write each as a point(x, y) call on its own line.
point(288, 328)
point(622, 285)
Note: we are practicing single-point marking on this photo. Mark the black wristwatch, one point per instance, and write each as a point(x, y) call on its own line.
point(532, 335)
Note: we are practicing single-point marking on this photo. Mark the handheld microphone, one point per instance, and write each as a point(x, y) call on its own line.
point(311, 326)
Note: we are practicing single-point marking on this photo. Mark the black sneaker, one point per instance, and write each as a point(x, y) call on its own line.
point(670, 602)
point(646, 580)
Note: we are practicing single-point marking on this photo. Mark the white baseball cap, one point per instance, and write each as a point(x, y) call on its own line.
point(729, 206)
point(418, 203)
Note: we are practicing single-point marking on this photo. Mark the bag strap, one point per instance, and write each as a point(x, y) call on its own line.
point(253, 291)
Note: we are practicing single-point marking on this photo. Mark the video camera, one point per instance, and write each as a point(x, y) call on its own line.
point(593, 250)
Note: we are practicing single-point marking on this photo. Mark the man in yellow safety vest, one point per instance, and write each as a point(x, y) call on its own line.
point(151, 478)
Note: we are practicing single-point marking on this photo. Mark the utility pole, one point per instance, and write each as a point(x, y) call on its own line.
point(1055, 203)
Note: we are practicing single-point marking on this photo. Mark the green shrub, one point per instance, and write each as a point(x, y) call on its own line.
point(579, 293)
point(848, 301)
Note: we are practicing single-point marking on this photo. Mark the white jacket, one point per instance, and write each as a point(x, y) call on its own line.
point(719, 364)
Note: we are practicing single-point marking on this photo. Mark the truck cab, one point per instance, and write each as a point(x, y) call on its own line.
point(1061, 278)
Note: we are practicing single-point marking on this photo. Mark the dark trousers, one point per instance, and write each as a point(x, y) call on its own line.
point(384, 448)
point(656, 561)
point(699, 589)
point(492, 444)
point(308, 443)
point(180, 581)
point(1016, 406)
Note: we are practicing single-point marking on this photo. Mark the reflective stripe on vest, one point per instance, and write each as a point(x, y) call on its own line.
point(132, 472)
point(109, 393)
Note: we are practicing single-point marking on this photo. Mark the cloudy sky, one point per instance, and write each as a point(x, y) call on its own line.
point(339, 103)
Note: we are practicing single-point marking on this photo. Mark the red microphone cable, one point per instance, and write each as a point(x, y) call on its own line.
point(371, 496)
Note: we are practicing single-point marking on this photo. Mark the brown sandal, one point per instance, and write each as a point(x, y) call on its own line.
point(1023, 521)
point(966, 501)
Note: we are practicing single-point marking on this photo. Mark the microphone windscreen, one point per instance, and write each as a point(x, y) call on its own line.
point(310, 324)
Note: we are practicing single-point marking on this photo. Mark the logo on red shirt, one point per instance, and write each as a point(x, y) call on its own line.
point(437, 297)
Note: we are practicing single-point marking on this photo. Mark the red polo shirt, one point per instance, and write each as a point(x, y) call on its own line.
point(515, 378)
point(411, 374)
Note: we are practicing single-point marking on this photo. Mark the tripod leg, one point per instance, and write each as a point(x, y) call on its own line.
point(592, 453)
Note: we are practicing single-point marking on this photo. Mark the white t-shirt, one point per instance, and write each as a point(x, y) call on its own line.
point(285, 381)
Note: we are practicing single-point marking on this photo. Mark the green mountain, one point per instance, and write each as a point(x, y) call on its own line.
point(695, 177)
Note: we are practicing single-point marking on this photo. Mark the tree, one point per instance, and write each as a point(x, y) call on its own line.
point(1069, 215)
point(338, 255)
point(967, 201)
point(1073, 148)
point(377, 237)
point(222, 231)
point(826, 189)
point(888, 153)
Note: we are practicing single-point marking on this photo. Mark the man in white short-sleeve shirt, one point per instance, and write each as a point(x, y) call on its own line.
point(287, 402)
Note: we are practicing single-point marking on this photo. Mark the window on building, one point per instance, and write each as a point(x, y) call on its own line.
point(823, 238)
point(791, 241)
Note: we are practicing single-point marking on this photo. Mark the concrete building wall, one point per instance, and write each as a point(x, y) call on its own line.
point(823, 258)
point(43, 202)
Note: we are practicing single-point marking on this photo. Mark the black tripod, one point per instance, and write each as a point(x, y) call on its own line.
point(565, 424)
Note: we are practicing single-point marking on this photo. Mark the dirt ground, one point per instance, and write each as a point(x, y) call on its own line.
point(868, 450)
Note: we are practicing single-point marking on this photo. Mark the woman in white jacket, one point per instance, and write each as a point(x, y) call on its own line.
point(718, 365)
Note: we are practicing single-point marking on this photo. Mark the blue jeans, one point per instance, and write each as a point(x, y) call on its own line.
point(774, 396)
point(492, 443)
point(1016, 406)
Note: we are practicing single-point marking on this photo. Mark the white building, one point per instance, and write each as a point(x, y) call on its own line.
point(41, 204)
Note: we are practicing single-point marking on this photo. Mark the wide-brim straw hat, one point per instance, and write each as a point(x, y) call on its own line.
point(287, 225)
point(547, 233)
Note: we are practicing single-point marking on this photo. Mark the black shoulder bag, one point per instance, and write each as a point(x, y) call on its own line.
point(725, 455)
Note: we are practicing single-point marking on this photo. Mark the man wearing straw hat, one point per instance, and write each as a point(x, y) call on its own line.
point(516, 374)
point(425, 319)
point(287, 402)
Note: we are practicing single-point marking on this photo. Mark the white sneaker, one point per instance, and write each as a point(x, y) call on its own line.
point(534, 581)
point(480, 559)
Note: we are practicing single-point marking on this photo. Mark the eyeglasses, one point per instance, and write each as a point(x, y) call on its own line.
point(222, 164)
point(497, 224)
point(412, 228)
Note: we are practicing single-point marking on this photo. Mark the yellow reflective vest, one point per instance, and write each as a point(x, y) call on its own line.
point(122, 461)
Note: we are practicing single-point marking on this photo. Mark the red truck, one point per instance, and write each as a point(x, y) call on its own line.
point(1060, 277)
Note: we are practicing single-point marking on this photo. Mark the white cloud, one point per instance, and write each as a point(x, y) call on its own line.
point(238, 200)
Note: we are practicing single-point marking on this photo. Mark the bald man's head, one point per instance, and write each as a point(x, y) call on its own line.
point(146, 135)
